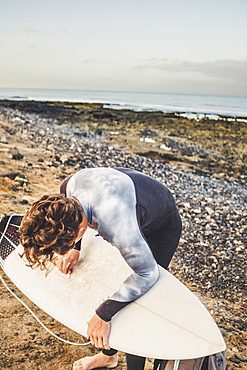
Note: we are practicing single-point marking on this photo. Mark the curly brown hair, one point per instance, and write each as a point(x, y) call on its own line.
point(49, 226)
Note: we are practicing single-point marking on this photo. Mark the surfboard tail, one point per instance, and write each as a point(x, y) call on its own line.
point(9, 235)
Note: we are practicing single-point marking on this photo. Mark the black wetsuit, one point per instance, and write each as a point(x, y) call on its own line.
point(136, 214)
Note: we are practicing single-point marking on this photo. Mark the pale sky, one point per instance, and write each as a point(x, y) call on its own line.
point(175, 46)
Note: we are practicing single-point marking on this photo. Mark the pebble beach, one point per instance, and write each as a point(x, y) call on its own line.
point(205, 168)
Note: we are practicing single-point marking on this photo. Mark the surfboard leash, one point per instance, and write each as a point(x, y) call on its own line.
point(39, 321)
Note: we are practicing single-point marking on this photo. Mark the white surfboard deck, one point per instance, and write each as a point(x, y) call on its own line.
point(168, 322)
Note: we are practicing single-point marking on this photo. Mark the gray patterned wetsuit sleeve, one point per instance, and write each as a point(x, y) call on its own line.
point(123, 231)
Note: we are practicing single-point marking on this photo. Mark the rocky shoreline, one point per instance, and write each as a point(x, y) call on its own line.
point(43, 143)
point(206, 146)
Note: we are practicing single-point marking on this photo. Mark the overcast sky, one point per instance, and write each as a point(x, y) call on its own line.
point(173, 46)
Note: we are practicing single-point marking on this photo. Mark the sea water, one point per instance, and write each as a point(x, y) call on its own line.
point(235, 106)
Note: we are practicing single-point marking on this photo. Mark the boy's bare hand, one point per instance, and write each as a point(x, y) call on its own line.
point(66, 262)
point(98, 332)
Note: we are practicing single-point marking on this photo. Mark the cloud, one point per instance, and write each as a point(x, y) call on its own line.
point(89, 61)
point(30, 47)
point(29, 30)
point(232, 70)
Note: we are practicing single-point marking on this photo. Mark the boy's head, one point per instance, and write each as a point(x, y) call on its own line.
point(50, 226)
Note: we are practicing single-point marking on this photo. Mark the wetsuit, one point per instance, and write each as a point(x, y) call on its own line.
point(136, 214)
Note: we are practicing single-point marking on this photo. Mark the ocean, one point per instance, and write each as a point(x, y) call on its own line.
point(186, 104)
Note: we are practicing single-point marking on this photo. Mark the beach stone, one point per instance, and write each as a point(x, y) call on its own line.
point(234, 360)
point(17, 156)
point(21, 180)
point(10, 175)
point(4, 139)
point(186, 205)
point(240, 357)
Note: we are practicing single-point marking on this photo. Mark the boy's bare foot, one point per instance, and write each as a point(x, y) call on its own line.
point(93, 362)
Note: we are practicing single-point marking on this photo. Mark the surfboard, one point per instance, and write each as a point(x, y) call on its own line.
point(167, 322)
